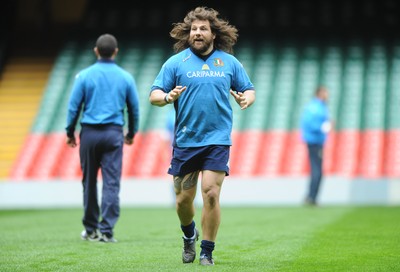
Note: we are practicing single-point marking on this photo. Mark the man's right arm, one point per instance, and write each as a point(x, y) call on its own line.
point(74, 107)
point(159, 98)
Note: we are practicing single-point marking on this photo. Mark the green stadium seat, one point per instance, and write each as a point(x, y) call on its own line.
point(331, 77)
point(307, 81)
point(55, 90)
point(375, 89)
point(352, 94)
point(256, 117)
point(284, 89)
point(245, 52)
point(393, 96)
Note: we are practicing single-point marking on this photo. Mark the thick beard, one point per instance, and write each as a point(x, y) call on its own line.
point(201, 50)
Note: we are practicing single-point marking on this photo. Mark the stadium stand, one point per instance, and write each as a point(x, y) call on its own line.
point(287, 47)
point(392, 135)
point(266, 138)
point(20, 93)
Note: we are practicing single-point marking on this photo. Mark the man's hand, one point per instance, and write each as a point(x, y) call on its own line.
point(71, 141)
point(174, 94)
point(241, 99)
point(128, 140)
point(326, 127)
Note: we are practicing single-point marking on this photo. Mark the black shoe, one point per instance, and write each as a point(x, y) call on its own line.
point(189, 248)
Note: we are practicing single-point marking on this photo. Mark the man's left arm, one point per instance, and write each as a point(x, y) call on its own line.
point(241, 81)
point(132, 102)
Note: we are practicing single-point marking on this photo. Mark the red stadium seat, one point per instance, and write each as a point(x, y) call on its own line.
point(271, 152)
point(295, 161)
point(145, 163)
point(371, 154)
point(69, 167)
point(129, 155)
point(347, 151)
point(48, 157)
point(392, 154)
point(234, 152)
point(244, 160)
point(329, 154)
point(33, 143)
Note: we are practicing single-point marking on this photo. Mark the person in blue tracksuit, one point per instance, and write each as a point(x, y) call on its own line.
point(102, 91)
point(199, 80)
point(315, 126)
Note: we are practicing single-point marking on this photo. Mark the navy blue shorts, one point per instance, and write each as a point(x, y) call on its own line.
point(191, 159)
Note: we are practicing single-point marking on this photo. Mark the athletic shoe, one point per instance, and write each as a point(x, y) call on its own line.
point(189, 247)
point(106, 238)
point(310, 202)
point(206, 260)
point(93, 236)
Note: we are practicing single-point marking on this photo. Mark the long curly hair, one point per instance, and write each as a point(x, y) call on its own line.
point(226, 35)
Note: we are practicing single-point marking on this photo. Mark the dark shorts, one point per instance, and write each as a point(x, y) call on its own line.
point(190, 159)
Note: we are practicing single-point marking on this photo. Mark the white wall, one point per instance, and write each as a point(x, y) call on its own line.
point(235, 192)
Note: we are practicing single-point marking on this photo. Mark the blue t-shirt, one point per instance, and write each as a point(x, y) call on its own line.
point(203, 111)
point(104, 89)
point(314, 115)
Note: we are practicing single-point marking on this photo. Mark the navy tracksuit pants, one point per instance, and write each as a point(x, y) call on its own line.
point(101, 148)
point(315, 157)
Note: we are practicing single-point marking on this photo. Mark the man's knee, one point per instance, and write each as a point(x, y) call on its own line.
point(184, 199)
point(211, 196)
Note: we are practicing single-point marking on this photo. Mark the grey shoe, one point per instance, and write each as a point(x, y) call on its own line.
point(93, 236)
point(310, 202)
point(106, 238)
point(189, 247)
point(206, 261)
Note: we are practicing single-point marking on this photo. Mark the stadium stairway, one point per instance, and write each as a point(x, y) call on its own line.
point(21, 88)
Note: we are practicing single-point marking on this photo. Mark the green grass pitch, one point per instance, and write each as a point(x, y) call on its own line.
point(331, 238)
